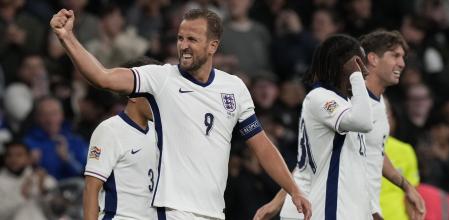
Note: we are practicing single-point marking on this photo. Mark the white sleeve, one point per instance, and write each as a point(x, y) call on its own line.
point(248, 125)
point(327, 108)
point(150, 78)
point(104, 152)
point(359, 117)
point(246, 104)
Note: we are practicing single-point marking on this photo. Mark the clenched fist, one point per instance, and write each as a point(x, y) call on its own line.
point(62, 23)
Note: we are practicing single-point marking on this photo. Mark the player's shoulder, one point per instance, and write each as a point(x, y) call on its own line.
point(155, 68)
point(108, 124)
point(320, 94)
point(230, 80)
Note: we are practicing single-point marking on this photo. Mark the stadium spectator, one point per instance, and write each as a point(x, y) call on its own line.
point(246, 39)
point(53, 144)
point(22, 187)
point(113, 47)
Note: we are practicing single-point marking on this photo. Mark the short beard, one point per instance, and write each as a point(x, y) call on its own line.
point(195, 65)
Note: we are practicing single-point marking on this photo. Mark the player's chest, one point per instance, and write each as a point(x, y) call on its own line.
point(185, 100)
point(139, 151)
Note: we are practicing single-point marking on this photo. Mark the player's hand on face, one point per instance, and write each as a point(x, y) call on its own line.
point(352, 65)
point(266, 212)
point(62, 22)
point(362, 67)
point(302, 205)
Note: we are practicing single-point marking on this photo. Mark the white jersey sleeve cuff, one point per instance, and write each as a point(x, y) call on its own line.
point(96, 175)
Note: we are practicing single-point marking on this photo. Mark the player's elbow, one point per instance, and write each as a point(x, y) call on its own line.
point(366, 127)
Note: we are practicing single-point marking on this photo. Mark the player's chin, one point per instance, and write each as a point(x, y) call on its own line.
point(185, 65)
point(394, 81)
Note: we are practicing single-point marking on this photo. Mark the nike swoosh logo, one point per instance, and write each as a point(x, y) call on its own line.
point(184, 91)
point(135, 151)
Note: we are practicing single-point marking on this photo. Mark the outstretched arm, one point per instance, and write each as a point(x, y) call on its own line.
point(414, 200)
point(117, 79)
point(272, 162)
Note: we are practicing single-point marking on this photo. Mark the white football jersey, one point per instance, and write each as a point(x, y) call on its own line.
point(124, 156)
point(331, 166)
point(375, 141)
point(194, 123)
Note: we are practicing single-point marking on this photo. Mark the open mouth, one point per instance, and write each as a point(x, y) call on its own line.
point(186, 56)
point(397, 73)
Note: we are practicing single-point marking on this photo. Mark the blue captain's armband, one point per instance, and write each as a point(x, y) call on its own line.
point(249, 127)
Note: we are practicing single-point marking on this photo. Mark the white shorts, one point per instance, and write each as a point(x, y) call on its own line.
point(172, 214)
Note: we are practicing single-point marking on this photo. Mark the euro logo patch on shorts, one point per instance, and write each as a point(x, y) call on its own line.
point(95, 153)
point(330, 106)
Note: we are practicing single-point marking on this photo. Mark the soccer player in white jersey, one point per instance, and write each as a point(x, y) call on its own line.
point(195, 109)
point(121, 169)
point(385, 60)
point(331, 144)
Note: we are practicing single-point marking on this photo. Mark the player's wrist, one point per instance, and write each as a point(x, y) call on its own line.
point(406, 186)
point(65, 37)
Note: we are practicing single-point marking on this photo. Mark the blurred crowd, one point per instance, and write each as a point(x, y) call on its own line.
point(48, 111)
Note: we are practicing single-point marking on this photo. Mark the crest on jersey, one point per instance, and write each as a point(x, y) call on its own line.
point(228, 101)
point(330, 106)
point(95, 153)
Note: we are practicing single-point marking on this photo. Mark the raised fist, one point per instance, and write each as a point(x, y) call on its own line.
point(62, 23)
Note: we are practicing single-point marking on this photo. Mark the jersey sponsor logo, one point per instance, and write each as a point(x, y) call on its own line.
point(228, 102)
point(330, 106)
point(184, 91)
point(135, 151)
point(95, 153)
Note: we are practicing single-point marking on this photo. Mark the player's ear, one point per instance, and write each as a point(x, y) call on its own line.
point(372, 58)
point(213, 46)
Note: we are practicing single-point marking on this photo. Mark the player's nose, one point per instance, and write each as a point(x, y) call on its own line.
point(401, 63)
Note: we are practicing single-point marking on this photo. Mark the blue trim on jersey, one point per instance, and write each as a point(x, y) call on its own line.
point(133, 124)
point(135, 83)
point(187, 75)
point(328, 87)
point(158, 127)
point(161, 213)
point(110, 207)
point(249, 127)
point(373, 96)
point(332, 178)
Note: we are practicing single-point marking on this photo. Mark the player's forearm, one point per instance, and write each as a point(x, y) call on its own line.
point(392, 175)
point(90, 201)
point(278, 200)
point(90, 206)
point(89, 67)
point(359, 117)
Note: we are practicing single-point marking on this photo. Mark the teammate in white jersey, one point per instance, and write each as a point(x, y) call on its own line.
point(385, 58)
point(331, 144)
point(195, 109)
point(121, 169)
point(385, 55)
